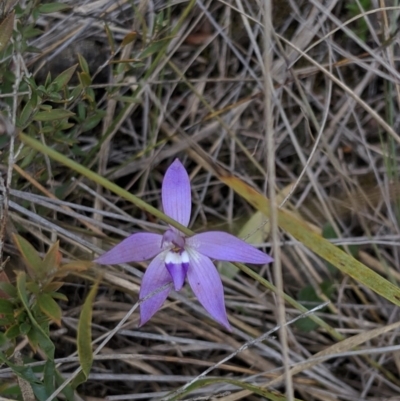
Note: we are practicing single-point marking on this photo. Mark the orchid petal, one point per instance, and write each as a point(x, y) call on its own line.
point(175, 193)
point(136, 248)
point(223, 246)
point(177, 264)
point(206, 284)
point(155, 277)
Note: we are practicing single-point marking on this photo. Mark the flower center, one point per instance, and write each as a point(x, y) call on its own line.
point(176, 259)
point(172, 240)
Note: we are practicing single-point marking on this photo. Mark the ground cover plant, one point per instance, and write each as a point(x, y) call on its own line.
point(284, 116)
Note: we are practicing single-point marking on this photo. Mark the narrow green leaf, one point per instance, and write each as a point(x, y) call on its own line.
point(85, 352)
point(33, 287)
point(4, 341)
point(13, 331)
point(29, 255)
point(25, 372)
point(40, 391)
point(6, 307)
point(58, 295)
point(129, 38)
point(110, 38)
point(50, 307)
point(84, 79)
point(309, 297)
point(155, 47)
point(31, 32)
point(49, 371)
point(9, 289)
point(83, 64)
point(92, 121)
point(54, 114)
point(63, 79)
point(6, 30)
point(25, 328)
point(51, 260)
point(43, 339)
point(52, 8)
point(26, 114)
point(68, 390)
point(127, 99)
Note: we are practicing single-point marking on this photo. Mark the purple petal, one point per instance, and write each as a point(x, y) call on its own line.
point(136, 248)
point(204, 279)
point(223, 246)
point(175, 193)
point(156, 276)
point(177, 264)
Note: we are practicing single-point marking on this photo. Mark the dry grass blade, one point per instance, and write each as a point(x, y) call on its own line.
point(293, 100)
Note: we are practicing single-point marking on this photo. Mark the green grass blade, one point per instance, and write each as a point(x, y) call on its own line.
point(85, 351)
point(312, 240)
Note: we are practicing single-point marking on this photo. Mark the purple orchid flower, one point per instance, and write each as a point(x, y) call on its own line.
point(176, 257)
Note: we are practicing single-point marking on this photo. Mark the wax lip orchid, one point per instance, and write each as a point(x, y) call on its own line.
point(176, 257)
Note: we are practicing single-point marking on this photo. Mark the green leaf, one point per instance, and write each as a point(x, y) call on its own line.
point(24, 328)
point(49, 371)
point(6, 30)
point(33, 287)
point(83, 64)
point(84, 79)
point(26, 114)
point(43, 339)
point(156, 47)
point(129, 38)
point(127, 99)
point(50, 307)
point(6, 307)
point(63, 79)
point(29, 255)
point(68, 390)
point(52, 259)
point(52, 8)
point(13, 331)
point(308, 295)
point(54, 114)
point(31, 32)
point(8, 289)
point(53, 286)
point(110, 38)
point(92, 121)
point(85, 352)
point(25, 372)
point(58, 295)
point(4, 341)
